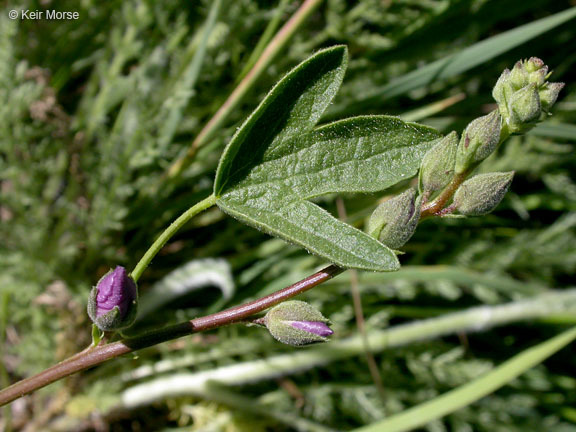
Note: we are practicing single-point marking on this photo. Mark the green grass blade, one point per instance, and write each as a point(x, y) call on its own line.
point(471, 392)
point(462, 61)
point(458, 275)
point(227, 396)
point(266, 37)
point(561, 131)
point(434, 108)
point(182, 91)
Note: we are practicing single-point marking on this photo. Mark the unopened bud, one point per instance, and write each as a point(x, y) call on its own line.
point(437, 168)
point(549, 94)
point(113, 301)
point(394, 221)
point(502, 90)
point(519, 76)
point(482, 193)
point(534, 64)
point(523, 94)
point(525, 109)
point(537, 71)
point(479, 140)
point(297, 323)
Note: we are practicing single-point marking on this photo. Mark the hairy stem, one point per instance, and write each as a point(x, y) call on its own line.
point(481, 318)
point(168, 233)
point(99, 354)
point(274, 47)
point(434, 207)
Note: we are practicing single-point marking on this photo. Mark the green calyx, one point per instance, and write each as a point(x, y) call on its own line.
point(437, 168)
point(482, 193)
point(479, 140)
point(297, 323)
point(395, 220)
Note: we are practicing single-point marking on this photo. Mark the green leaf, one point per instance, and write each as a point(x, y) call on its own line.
point(291, 108)
point(183, 89)
point(474, 390)
point(276, 161)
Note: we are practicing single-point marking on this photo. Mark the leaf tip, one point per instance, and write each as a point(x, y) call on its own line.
point(337, 51)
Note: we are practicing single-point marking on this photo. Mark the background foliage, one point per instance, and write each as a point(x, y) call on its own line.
point(94, 111)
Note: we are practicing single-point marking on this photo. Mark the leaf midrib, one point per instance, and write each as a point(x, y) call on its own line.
point(286, 181)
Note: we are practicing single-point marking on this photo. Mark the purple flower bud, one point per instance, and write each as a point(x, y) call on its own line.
point(297, 323)
point(316, 327)
point(112, 303)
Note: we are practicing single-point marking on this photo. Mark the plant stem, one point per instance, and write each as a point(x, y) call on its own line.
point(168, 233)
point(434, 207)
point(96, 355)
point(361, 325)
point(4, 377)
point(474, 319)
point(274, 47)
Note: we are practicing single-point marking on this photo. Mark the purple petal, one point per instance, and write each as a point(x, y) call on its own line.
point(115, 289)
point(316, 327)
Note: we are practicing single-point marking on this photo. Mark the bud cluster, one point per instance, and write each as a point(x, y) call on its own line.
point(524, 98)
point(524, 95)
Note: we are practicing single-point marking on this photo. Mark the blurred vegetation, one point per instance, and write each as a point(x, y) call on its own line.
point(94, 111)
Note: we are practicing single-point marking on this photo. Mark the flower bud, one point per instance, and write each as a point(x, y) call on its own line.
point(479, 140)
point(534, 64)
point(524, 106)
point(482, 193)
point(297, 323)
point(519, 76)
point(112, 303)
point(549, 94)
point(437, 168)
point(394, 221)
point(523, 94)
point(502, 90)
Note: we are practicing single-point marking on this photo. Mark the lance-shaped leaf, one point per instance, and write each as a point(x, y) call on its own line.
point(276, 162)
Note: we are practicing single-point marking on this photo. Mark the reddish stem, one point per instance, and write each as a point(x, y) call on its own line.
point(435, 207)
point(95, 355)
